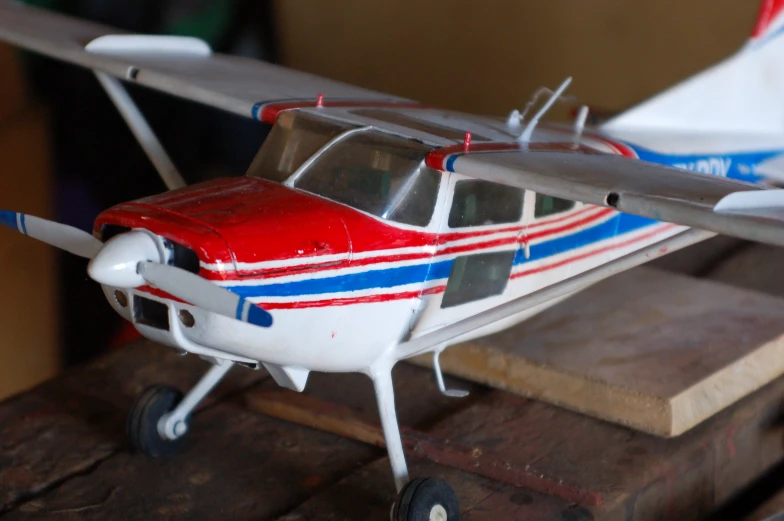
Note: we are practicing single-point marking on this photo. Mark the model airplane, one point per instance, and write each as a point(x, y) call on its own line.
point(370, 228)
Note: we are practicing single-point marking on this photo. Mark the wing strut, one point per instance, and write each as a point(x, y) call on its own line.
point(442, 336)
point(142, 131)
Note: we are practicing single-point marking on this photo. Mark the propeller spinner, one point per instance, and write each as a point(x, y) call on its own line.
point(133, 259)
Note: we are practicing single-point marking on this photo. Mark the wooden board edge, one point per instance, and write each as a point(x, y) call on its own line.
point(727, 386)
point(479, 363)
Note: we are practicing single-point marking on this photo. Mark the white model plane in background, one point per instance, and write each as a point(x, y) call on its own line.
point(370, 228)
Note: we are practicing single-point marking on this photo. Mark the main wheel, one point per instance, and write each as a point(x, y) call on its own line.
point(141, 426)
point(426, 499)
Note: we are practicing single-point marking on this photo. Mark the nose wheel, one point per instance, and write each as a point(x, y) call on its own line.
point(142, 424)
point(161, 415)
point(426, 499)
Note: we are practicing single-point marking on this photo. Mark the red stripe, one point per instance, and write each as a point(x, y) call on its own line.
point(271, 273)
point(527, 237)
point(576, 224)
point(436, 158)
point(160, 294)
point(768, 12)
point(269, 113)
point(440, 289)
point(385, 297)
point(479, 246)
point(605, 249)
point(621, 149)
point(456, 236)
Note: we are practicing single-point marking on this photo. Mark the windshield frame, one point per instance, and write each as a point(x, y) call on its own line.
point(290, 180)
point(440, 193)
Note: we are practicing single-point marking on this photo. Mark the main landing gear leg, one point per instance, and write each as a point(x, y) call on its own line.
point(428, 499)
point(160, 416)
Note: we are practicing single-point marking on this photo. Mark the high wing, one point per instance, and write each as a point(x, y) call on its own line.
point(226, 82)
point(241, 85)
point(632, 186)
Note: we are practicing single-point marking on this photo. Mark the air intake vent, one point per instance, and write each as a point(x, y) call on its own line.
point(182, 256)
point(112, 230)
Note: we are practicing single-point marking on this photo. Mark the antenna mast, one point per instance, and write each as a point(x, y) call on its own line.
point(529, 128)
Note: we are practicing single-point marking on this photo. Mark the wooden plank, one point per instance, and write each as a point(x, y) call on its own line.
point(637, 476)
point(366, 495)
point(68, 425)
point(626, 474)
point(311, 412)
point(97, 397)
point(419, 403)
point(756, 267)
point(41, 445)
point(236, 465)
point(237, 462)
point(652, 350)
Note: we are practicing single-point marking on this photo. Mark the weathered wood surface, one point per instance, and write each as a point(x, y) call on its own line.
point(610, 471)
point(653, 350)
point(62, 448)
point(68, 425)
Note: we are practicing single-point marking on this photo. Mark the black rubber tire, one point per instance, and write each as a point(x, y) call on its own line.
point(141, 426)
point(420, 495)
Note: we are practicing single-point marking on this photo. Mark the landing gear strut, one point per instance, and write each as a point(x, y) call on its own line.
point(420, 499)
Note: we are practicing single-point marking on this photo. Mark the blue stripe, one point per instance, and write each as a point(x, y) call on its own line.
point(737, 165)
point(254, 112)
point(770, 37)
point(8, 218)
point(450, 162)
point(617, 225)
point(22, 222)
point(582, 238)
point(387, 278)
point(392, 277)
point(240, 303)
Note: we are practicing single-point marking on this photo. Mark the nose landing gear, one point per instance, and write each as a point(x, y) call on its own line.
point(141, 426)
point(160, 416)
point(426, 499)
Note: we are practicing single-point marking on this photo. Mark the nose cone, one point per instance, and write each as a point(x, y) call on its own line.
point(115, 265)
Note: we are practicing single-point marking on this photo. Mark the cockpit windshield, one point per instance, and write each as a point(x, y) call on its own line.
point(378, 173)
point(292, 141)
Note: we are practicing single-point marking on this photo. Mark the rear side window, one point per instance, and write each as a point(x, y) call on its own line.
point(475, 277)
point(479, 203)
point(548, 205)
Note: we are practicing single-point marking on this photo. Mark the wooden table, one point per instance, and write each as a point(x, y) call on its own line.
point(63, 454)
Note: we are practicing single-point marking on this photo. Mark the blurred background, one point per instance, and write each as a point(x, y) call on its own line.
point(66, 154)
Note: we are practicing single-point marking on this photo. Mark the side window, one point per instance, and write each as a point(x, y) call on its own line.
point(548, 205)
point(478, 203)
point(474, 277)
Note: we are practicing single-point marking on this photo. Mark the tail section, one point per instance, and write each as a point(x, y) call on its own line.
point(743, 94)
